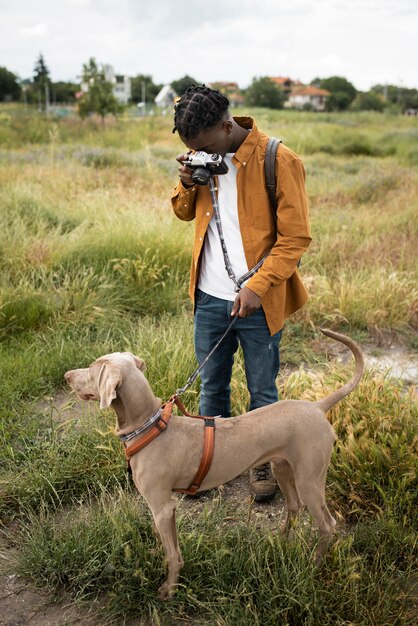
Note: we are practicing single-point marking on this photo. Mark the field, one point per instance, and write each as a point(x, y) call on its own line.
point(92, 260)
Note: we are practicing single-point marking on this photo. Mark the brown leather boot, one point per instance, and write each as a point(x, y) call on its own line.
point(262, 483)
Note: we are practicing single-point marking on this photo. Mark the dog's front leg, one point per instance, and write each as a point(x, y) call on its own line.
point(164, 513)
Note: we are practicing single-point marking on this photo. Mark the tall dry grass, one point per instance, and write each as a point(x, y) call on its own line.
point(92, 260)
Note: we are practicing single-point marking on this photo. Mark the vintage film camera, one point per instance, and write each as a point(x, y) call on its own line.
point(204, 166)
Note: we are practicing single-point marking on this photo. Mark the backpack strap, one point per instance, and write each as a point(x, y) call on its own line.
point(270, 171)
point(270, 174)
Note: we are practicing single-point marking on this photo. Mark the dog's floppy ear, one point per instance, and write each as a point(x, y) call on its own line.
point(107, 382)
point(140, 363)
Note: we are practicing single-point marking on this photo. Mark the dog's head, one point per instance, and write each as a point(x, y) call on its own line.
point(101, 379)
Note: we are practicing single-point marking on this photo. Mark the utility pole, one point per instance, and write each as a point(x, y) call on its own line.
point(46, 97)
point(144, 107)
point(25, 96)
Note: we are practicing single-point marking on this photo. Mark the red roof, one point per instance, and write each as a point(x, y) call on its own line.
point(224, 84)
point(310, 91)
point(281, 80)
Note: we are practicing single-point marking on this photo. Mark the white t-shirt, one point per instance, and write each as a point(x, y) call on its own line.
point(213, 277)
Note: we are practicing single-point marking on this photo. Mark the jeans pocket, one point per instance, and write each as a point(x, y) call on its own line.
point(201, 297)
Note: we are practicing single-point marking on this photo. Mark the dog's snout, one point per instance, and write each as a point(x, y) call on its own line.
point(67, 376)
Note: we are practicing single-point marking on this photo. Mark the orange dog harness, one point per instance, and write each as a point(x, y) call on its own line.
point(160, 425)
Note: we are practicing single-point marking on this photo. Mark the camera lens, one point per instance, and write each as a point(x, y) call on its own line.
point(200, 176)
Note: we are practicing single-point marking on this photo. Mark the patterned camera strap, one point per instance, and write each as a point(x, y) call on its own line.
point(238, 282)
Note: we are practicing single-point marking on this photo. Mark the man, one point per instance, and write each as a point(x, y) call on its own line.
point(250, 231)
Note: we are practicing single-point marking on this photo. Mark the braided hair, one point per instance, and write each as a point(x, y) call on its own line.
point(199, 108)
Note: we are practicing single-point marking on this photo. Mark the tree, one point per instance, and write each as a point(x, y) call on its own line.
point(264, 93)
point(63, 92)
point(408, 98)
point(342, 92)
point(368, 101)
point(182, 84)
point(403, 97)
point(98, 96)
point(144, 83)
point(9, 87)
point(42, 81)
point(41, 72)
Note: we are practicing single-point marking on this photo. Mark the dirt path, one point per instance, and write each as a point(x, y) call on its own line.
point(22, 604)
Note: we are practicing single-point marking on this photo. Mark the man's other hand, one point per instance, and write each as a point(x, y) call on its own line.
point(185, 173)
point(246, 303)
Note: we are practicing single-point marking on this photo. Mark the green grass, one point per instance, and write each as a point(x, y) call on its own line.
point(234, 573)
point(92, 260)
point(369, 134)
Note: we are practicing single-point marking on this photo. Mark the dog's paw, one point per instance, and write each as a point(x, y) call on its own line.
point(166, 591)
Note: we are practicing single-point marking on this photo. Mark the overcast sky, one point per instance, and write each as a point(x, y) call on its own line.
point(367, 41)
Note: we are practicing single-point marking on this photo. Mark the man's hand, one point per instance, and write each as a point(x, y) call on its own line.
point(246, 303)
point(185, 173)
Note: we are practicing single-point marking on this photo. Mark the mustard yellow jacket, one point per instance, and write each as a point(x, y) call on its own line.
point(277, 282)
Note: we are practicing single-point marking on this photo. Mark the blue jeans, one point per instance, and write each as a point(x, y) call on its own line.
point(260, 349)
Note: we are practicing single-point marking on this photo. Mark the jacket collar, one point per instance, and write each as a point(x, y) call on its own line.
point(249, 144)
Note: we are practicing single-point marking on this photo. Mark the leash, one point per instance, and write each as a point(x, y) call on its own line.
point(158, 423)
point(193, 376)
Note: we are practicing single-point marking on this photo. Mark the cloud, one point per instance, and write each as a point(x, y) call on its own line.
point(330, 63)
point(39, 30)
point(366, 40)
point(162, 18)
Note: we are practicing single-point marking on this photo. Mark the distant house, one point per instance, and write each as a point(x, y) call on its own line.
point(231, 91)
point(307, 97)
point(224, 87)
point(121, 84)
point(236, 99)
point(286, 83)
point(166, 97)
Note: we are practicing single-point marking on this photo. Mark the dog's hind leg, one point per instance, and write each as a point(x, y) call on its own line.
point(163, 510)
point(312, 494)
point(285, 477)
point(155, 532)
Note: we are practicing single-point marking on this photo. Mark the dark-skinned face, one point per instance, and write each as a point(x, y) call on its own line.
point(217, 139)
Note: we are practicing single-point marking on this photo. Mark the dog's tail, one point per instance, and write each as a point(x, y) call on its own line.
point(326, 403)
